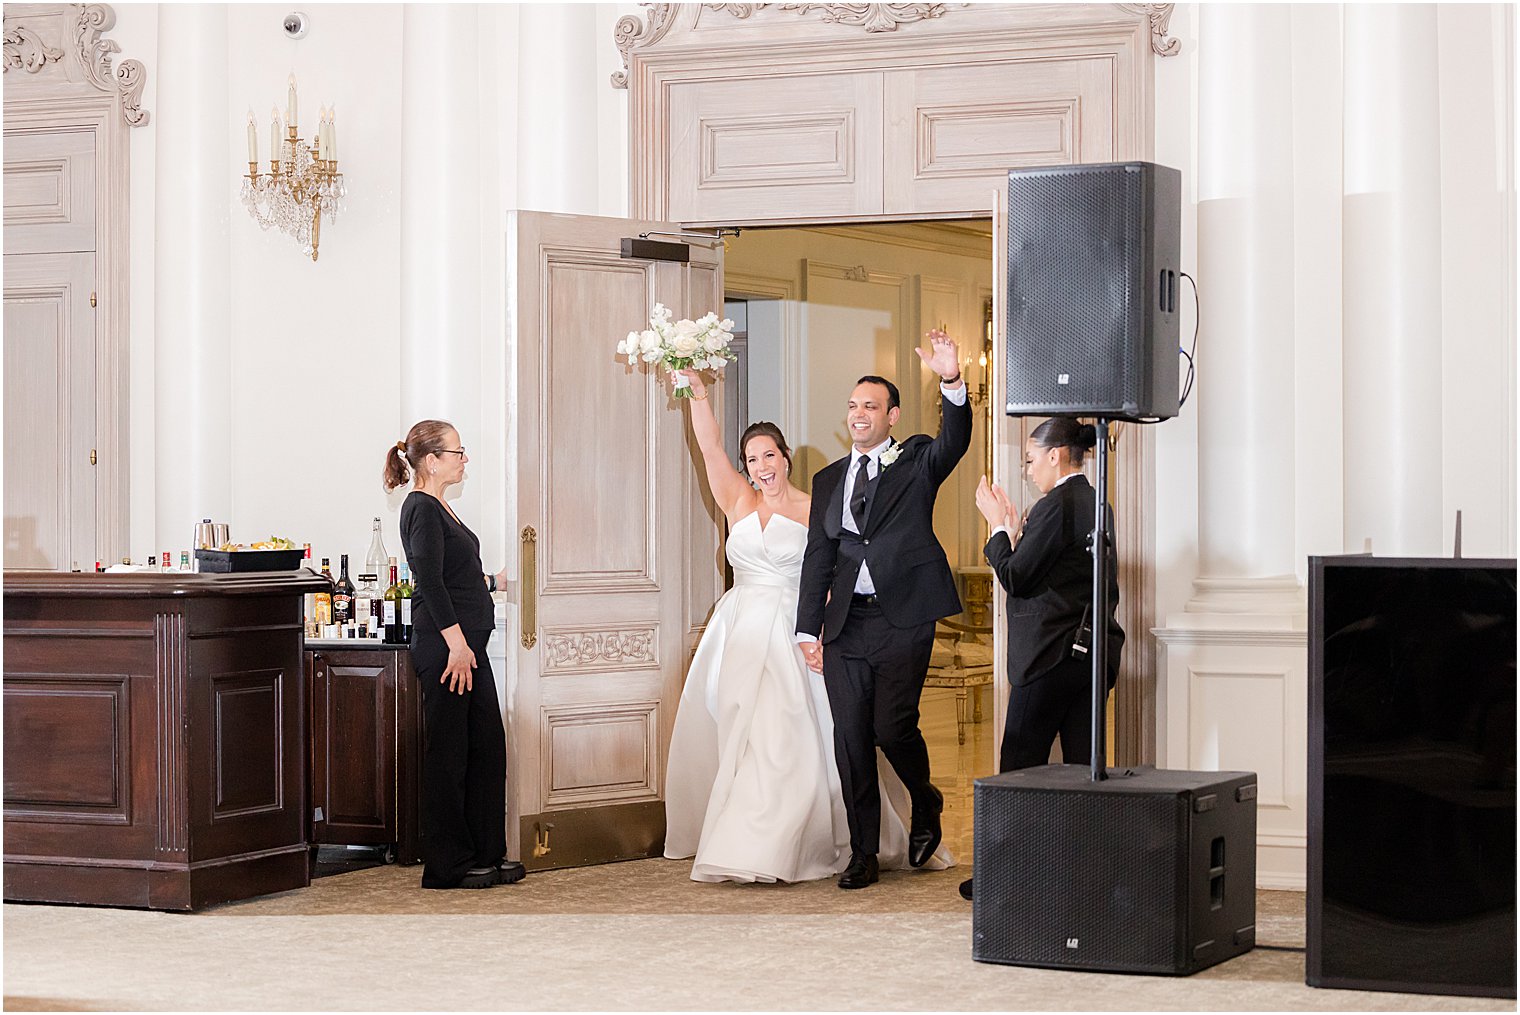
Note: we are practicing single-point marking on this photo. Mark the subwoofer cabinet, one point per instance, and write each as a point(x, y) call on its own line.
point(365, 722)
point(1148, 871)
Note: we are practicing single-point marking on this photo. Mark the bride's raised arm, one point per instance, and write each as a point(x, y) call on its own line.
point(729, 488)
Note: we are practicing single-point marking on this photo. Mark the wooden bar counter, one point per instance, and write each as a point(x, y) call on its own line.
point(154, 737)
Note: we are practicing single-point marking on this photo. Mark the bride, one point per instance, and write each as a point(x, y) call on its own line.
point(752, 787)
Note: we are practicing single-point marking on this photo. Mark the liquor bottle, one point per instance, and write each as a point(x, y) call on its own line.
point(184, 561)
point(406, 604)
point(99, 567)
point(390, 615)
point(376, 607)
point(343, 595)
point(153, 561)
point(374, 560)
point(324, 598)
point(363, 603)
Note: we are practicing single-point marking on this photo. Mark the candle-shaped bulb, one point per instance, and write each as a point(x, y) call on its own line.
point(291, 110)
point(253, 138)
point(332, 133)
point(275, 134)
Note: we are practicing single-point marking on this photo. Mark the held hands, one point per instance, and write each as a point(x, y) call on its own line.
point(944, 356)
point(694, 378)
point(994, 505)
point(812, 654)
point(459, 672)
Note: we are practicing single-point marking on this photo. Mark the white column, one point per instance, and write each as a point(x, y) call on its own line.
point(1392, 279)
point(558, 126)
point(1233, 674)
point(441, 229)
point(192, 272)
point(1245, 273)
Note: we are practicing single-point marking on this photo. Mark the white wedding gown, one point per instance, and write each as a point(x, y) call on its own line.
point(752, 787)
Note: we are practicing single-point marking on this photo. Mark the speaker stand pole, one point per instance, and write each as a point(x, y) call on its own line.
point(1099, 544)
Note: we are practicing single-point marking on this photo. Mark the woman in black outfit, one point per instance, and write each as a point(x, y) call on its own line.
point(1046, 569)
point(464, 759)
point(1045, 566)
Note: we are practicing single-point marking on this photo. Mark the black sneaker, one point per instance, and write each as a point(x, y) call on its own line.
point(510, 872)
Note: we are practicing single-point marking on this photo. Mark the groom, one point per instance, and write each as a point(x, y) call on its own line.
point(874, 581)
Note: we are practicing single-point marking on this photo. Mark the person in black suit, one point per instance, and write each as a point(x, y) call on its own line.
point(464, 756)
point(1046, 569)
point(874, 581)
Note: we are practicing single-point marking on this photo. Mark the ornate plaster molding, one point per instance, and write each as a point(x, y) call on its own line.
point(85, 56)
point(1160, 16)
point(25, 50)
point(631, 32)
point(871, 17)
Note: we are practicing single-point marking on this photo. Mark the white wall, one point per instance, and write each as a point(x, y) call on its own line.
point(316, 347)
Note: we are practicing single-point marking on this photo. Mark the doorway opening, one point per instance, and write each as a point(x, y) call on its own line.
point(817, 307)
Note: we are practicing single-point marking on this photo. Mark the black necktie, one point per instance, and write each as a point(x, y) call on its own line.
point(858, 495)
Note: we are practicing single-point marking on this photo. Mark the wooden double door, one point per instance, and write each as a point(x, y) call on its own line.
point(618, 541)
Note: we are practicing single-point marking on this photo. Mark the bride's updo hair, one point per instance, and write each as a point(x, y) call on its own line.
point(764, 428)
point(1064, 432)
point(423, 439)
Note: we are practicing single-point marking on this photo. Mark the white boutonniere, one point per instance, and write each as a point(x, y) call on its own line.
point(889, 454)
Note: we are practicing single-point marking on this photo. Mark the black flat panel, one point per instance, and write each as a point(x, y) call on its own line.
point(1412, 775)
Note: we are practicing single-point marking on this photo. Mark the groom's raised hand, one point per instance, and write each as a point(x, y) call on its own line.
point(943, 357)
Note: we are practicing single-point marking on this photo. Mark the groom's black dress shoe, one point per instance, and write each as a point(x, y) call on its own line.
point(861, 872)
point(923, 838)
point(966, 889)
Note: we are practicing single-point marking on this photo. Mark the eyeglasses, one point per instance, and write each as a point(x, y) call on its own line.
point(449, 451)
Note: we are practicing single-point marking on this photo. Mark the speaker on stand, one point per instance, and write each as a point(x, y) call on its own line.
point(1143, 870)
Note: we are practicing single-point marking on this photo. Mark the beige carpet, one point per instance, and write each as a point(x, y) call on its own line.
point(633, 936)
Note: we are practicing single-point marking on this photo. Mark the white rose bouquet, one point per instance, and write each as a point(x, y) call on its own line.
point(685, 345)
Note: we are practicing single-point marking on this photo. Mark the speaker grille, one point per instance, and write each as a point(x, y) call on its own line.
point(1072, 289)
point(1078, 879)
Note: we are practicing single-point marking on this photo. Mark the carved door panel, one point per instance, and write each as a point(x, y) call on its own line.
point(618, 558)
point(50, 397)
point(50, 350)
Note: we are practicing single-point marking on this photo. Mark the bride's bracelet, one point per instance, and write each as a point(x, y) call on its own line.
point(699, 398)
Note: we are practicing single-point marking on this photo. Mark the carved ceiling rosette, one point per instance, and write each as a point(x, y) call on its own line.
point(86, 53)
point(632, 33)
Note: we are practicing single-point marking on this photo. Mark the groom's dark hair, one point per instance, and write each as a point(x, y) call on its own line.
point(893, 398)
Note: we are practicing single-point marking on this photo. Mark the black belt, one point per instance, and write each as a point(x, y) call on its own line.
point(863, 600)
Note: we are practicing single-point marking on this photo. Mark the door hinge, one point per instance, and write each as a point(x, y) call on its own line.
point(92, 299)
point(92, 456)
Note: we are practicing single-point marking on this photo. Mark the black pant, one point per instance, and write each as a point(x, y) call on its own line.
point(1058, 703)
point(874, 674)
point(464, 766)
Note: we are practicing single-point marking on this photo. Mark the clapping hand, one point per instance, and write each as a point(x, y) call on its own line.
point(994, 505)
point(944, 355)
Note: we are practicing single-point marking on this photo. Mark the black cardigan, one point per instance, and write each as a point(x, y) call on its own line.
point(448, 581)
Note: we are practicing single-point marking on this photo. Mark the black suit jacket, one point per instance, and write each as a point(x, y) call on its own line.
point(908, 567)
point(1048, 578)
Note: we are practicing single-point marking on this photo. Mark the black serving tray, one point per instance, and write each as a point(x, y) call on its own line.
point(229, 561)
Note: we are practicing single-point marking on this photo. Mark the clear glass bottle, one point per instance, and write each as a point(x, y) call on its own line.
point(375, 559)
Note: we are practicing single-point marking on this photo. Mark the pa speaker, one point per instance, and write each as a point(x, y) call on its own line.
point(1094, 255)
point(1148, 871)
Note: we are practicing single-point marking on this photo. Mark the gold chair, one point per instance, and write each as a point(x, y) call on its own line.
point(962, 660)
